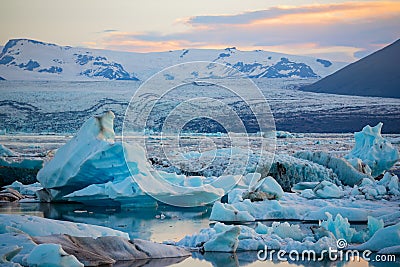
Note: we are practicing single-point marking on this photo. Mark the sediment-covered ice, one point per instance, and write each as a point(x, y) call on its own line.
point(345, 172)
point(373, 150)
point(288, 170)
point(35, 241)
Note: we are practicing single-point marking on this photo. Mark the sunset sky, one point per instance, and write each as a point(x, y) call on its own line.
point(336, 30)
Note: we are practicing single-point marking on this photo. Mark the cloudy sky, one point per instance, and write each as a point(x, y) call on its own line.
point(336, 30)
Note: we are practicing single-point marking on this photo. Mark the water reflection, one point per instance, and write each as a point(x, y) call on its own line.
point(165, 223)
point(152, 223)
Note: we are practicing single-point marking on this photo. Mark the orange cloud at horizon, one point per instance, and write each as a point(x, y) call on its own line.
point(333, 13)
point(291, 23)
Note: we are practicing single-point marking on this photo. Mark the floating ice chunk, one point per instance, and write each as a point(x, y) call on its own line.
point(340, 227)
point(346, 173)
point(225, 241)
point(327, 189)
point(226, 212)
point(51, 255)
point(373, 150)
point(37, 226)
point(383, 238)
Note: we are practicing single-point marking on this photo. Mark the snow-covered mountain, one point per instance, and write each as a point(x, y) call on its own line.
point(23, 59)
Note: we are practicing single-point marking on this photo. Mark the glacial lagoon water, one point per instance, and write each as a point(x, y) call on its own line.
point(160, 224)
point(61, 107)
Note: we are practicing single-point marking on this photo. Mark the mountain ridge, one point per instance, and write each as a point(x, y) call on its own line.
point(27, 59)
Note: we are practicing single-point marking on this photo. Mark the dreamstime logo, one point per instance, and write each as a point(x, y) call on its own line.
point(203, 120)
point(340, 253)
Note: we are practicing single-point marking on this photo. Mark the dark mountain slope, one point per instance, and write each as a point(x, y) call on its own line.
point(375, 75)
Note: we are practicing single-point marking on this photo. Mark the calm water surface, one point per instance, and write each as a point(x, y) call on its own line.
point(147, 223)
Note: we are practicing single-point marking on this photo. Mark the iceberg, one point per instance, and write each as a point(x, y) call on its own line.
point(90, 157)
point(373, 150)
point(94, 169)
